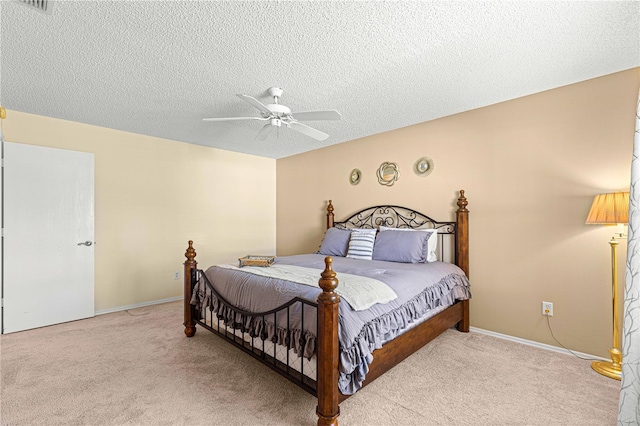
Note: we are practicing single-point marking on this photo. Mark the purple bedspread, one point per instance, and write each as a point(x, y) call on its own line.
point(420, 287)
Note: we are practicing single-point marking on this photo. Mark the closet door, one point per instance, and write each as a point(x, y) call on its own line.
point(48, 236)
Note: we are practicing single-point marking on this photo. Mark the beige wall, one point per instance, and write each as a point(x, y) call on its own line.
point(153, 195)
point(530, 168)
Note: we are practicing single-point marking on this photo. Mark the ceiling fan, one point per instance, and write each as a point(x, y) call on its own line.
point(277, 115)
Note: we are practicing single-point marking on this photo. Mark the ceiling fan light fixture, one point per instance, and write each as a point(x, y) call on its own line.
point(276, 122)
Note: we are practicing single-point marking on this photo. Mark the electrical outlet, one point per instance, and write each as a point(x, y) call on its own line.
point(176, 275)
point(547, 308)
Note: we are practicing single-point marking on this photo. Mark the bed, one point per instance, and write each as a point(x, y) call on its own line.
point(332, 339)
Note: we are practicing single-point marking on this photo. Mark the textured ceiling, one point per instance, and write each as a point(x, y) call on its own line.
point(158, 68)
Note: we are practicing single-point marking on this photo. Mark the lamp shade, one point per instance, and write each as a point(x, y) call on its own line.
point(609, 209)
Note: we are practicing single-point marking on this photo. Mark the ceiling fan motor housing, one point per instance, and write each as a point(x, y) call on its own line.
point(278, 110)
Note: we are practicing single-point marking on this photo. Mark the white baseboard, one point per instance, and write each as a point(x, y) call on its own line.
point(473, 329)
point(138, 305)
point(535, 344)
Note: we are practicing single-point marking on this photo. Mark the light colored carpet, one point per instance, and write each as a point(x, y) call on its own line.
point(138, 368)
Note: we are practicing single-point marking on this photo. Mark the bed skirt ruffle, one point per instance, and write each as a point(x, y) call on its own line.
point(355, 360)
point(303, 344)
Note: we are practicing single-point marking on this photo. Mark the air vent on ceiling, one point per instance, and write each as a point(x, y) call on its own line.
point(41, 5)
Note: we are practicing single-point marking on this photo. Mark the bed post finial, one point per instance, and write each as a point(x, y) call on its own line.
point(330, 215)
point(189, 310)
point(328, 282)
point(462, 234)
point(190, 254)
point(462, 202)
point(328, 409)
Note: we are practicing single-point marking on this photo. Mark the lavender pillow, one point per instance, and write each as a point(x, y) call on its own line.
point(398, 246)
point(432, 241)
point(335, 242)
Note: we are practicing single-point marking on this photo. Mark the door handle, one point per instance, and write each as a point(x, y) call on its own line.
point(86, 243)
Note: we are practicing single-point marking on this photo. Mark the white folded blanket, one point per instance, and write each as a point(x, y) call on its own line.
point(360, 292)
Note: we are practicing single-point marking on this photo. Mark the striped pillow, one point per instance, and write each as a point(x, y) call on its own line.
point(361, 244)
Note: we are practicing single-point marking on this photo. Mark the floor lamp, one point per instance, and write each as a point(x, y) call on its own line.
point(611, 209)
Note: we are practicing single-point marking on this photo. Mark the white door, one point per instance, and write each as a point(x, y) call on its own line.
point(48, 236)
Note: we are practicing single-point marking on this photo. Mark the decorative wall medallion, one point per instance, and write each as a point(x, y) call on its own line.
point(354, 177)
point(388, 174)
point(423, 167)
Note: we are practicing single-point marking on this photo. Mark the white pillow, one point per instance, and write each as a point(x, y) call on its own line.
point(432, 242)
point(361, 244)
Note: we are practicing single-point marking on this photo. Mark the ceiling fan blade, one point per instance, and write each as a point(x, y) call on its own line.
point(309, 131)
point(256, 103)
point(233, 118)
point(331, 114)
point(264, 133)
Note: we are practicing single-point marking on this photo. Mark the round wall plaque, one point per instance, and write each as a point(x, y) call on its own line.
point(423, 166)
point(355, 176)
point(388, 174)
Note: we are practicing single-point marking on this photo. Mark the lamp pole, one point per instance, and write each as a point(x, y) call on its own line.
point(613, 368)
